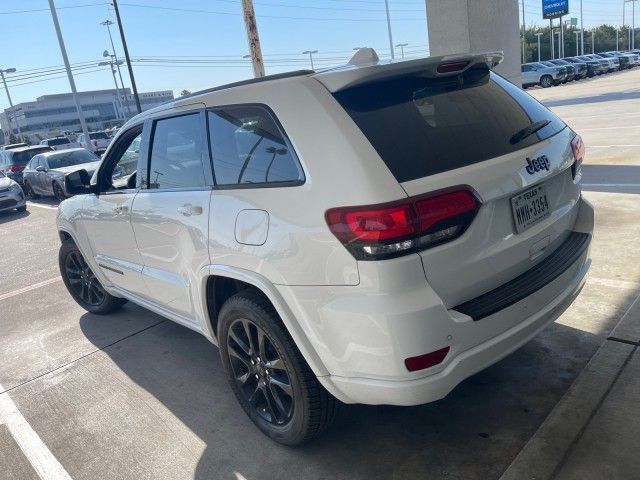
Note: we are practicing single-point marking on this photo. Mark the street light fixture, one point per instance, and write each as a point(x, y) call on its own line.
point(310, 53)
point(107, 23)
point(15, 119)
point(402, 45)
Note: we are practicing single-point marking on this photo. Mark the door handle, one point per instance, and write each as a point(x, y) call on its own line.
point(120, 209)
point(187, 210)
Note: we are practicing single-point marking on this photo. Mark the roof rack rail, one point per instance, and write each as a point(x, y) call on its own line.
point(266, 78)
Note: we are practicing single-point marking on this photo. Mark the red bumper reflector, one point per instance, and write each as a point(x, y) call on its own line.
point(427, 360)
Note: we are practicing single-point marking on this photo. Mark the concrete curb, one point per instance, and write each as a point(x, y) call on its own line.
point(545, 452)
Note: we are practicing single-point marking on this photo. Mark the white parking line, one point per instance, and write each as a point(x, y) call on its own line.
point(607, 128)
point(40, 457)
point(612, 185)
point(612, 146)
point(20, 291)
point(39, 205)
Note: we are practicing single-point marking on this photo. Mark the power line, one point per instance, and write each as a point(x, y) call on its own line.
point(13, 12)
point(281, 17)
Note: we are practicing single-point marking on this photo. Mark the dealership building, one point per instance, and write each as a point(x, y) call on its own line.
point(52, 115)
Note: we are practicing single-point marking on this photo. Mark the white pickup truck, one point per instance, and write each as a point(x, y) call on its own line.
point(99, 141)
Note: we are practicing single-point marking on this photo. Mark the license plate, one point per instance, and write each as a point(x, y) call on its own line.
point(530, 207)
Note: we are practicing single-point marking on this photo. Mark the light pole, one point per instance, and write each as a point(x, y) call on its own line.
point(539, 35)
point(386, 6)
point(112, 63)
point(108, 23)
point(310, 53)
point(72, 83)
point(593, 41)
point(524, 27)
point(2, 72)
point(126, 56)
point(581, 30)
point(577, 42)
point(402, 45)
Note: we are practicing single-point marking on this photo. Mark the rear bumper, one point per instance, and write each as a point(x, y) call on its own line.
point(363, 334)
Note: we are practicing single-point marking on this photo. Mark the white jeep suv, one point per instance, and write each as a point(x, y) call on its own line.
point(374, 233)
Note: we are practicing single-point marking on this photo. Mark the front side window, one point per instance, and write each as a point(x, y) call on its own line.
point(120, 168)
point(176, 153)
point(248, 148)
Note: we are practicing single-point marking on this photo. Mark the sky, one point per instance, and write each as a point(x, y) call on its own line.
point(196, 44)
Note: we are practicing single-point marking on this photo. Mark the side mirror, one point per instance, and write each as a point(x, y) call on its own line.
point(40, 168)
point(78, 183)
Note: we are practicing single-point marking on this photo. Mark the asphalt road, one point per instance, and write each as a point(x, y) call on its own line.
point(133, 396)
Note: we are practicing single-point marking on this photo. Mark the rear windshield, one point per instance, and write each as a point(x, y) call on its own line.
point(423, 126)
point(58, 141)
point(26, 155)
point(69, 159)
point(98, 136)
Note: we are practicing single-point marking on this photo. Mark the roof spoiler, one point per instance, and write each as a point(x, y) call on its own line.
point(365, 67)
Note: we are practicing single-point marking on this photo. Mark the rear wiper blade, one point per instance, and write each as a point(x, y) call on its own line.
point(527, 131)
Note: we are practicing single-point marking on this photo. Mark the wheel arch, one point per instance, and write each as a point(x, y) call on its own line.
point(220, 282)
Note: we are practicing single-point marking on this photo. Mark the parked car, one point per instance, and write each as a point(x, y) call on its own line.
point(440, 229)
point(12, 162)
point(633, 59)
point(580, 70)
point(12, 146)
point(593, 67)
point(45, 173)
point(11, 195)
point(99, 141)
point(539, 74)
point(613, 63)
point(568, 70)
point(59, 143)
point(623, 61)
point(603, 65)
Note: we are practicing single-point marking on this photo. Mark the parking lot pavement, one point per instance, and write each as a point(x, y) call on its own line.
point(133, 396)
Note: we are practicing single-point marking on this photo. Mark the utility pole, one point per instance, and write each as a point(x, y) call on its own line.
point(253, 38)
point(108, 23)
point(310, 53)
point(402, 45)
point(126, 56)
point(524, 27)
point(578, 42)
point(72, 83)
point(386, 5)
point(633, 24)
point(561, 40)
point(581, 30)
point(6, 89)
point(593, 41)
point(539, 35)
point(617, 39)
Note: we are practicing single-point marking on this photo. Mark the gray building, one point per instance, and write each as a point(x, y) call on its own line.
point(52, 115)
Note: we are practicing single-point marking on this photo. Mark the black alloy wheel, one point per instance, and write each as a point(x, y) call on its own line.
point(259, 372)
point(83, 281)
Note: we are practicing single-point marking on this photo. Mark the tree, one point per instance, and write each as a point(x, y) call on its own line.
point(184, 93)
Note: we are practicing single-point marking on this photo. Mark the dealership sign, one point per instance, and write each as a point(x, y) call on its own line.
point(554, 8)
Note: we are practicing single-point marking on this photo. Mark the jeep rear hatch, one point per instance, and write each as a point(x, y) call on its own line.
point(470, 130)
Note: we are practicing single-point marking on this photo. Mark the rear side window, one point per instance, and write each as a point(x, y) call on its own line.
point(423, 126)
point(26, 155)
point(249, 148)
point(176, 153)
point(57, 141)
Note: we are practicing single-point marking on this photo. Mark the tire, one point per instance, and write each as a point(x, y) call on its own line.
point(21, 209)
point(28, 191)
point(82, 284)
point(308, 410)
point(58, 193)
point(546, 81)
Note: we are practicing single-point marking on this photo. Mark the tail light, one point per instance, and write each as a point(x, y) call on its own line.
point(17, 168)
point(577, 145)
point(393, 229)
